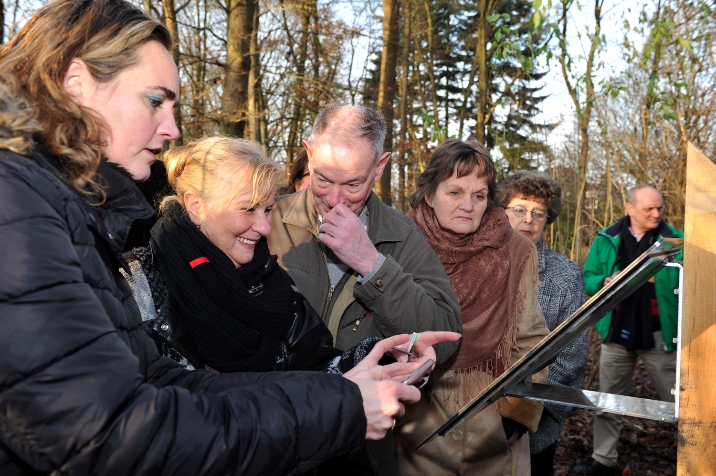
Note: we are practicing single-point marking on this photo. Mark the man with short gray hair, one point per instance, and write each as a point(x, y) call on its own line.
point(364, 267)
point(643, 325)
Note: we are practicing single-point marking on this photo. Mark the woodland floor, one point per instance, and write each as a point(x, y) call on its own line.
point(646, 447)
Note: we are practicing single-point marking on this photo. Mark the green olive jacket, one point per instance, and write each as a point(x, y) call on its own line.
point(603, 261)
point(410, 292)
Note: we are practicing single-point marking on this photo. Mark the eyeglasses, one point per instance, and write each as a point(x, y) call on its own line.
point(537, 215)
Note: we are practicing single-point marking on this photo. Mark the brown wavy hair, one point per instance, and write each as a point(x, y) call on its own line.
point(298, 170)
point(534, 186)
point(465, 157)
point(106, 35)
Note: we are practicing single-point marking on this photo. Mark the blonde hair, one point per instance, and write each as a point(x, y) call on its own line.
point(106, 35)
point(218, 169)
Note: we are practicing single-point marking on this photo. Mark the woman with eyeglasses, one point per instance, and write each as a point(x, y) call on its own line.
point(533, 200)
point(493, 271)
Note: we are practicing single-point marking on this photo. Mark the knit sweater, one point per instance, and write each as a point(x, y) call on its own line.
point(560, 294)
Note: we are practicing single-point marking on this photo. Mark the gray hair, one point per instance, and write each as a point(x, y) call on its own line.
point(352, 122)
point(631, 193)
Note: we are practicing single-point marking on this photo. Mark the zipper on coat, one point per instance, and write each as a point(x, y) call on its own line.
point(327, 304)
point(331, 288)
point(355, 326)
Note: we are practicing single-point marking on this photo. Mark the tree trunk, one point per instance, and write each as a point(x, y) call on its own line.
point(405, 63)
point(306, 10)
point(234, 101)
point(255, 111)
point(170, 20)
point(483, 80)
point(386, 90)
point(197, 69)
point(2, 22)
point(643, 150)
point(583, 110)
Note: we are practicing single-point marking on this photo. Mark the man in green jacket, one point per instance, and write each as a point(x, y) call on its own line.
point(365, 267)
point(643, 325)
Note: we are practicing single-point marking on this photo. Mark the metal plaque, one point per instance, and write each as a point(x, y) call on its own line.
point(518, 376)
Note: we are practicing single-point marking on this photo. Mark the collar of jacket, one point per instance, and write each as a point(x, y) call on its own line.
point(382, 225)
point(615, 229)
point(124, 202)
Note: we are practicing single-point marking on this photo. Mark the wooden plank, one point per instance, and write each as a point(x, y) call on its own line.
point(697, 422)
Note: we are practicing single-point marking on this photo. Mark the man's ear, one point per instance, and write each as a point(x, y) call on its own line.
point(309, 152)
point(76, 78)
point(194, 207)
point(381, 165)
point(629, 209)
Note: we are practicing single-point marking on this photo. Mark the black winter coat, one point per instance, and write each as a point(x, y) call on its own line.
point(83, 389)
point(307, 346)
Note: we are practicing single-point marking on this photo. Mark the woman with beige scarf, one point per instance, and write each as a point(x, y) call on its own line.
point(493, 271)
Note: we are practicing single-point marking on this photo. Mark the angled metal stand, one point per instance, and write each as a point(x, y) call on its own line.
point(607, 402)
point(516, 381)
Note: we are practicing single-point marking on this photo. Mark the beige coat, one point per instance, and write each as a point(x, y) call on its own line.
point(409, 293)
point(478, 446)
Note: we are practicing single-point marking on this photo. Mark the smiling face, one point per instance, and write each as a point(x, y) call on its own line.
point(342, 173)
point(234, 229)
point(136, 105)
point(527, 225)
point(460, 203)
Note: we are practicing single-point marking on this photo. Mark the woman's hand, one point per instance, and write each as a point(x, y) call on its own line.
point(381, 387)
point(383, 396)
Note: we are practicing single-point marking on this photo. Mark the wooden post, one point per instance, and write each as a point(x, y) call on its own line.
point(697, 419)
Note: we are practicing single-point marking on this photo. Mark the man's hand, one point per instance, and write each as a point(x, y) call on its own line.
point(343, 232)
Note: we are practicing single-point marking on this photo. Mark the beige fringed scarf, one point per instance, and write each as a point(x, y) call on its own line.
point(485, 270)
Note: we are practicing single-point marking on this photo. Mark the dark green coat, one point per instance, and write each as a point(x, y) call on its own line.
point(603, 261)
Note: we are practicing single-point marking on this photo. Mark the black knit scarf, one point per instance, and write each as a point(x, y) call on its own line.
point(634, 322)
point(237, 317)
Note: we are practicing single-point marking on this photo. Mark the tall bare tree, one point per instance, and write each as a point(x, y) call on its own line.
point(234, 100)
point(170, 20)
point(386, 90)
point(2, 22)
point(307, 11)
point(581, 91)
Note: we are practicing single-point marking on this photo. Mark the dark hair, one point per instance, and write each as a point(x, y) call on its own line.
point(350, 123)
point(106, 35)
point(298, 171)
point(465, 157)
point(535, 186)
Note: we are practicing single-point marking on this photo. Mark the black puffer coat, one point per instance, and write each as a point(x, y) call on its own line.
point(82, 387)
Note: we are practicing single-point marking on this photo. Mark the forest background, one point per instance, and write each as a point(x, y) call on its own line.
point(637, 82)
